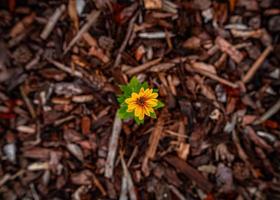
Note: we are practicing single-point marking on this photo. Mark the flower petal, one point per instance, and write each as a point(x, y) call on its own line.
point(152, 102)
point(128, 101)
point(150, 109)
point(146, 111)
point(153, 95)
point(137, 111)
point(146, 93)
point(141, 116)
point(131, 107)
point(141, 92)
point(133, 98)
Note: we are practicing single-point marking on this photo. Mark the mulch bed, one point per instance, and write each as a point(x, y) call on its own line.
point(215, 63)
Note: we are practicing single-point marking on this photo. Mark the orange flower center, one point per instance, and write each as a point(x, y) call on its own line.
point(141, 101)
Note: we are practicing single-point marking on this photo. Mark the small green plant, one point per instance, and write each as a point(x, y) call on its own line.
point(137, 101)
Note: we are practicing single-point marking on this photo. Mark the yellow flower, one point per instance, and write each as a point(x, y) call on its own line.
point(142, 103)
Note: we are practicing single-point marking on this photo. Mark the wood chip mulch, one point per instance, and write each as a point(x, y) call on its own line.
point(216, 65)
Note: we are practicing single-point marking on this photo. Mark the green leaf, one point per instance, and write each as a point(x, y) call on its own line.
point(126, 90)
point(145, 85)
point(134, 84)
point(133, 81)
point(138, 121)
point(128, 115)
point(159, 105)
point(153, 115)
point(122, 87)
point(123, 114)
point(121, 99)
point(155, 90)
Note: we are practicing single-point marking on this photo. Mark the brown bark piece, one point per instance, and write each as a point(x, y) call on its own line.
point(153, 4)
point(251, 72)
point(228, 48)
point(153, 142)
point(86, 124)
point(183, 167)
point(22, 25)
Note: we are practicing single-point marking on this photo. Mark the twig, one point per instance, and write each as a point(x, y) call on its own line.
point(133, 154)
point(82, 98)
point(126, 39)
point(28, 103)
point(155, 35)
point(243, 156)
point(95, 82)
point(168, 65)
point(34, 61)
point(79, 192)
point(190, 172)
point(266, 162)
point(38, 136)
point(251, 72)
point(113, 145)
point(26, 129)
point(267, 136)
point(168, 6)
point(142, 67)
point(228, 48)
point(65, 68)
point(221, 60)
point(247, 34)
point(176, 192)
point(249, 131)
point(127, 183)
point(34, 192)
point(123, 194)
point(162, 67)
point(168, 39)
point(52, 22)
point(271, 111)
point(63, 120)
point(153, 142)
point(98, 184)
point(239, 148)
point(243, 45)
point(215, 77)
point(8, 177)
point(178, 135)
point(91, 20)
